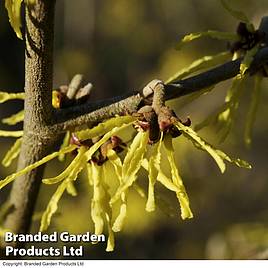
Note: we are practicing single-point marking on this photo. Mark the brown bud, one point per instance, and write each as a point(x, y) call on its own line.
point(187, 122)
point(174, 132)
point(165, 118)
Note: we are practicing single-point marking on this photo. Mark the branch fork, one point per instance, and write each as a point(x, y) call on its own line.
point(157, 117)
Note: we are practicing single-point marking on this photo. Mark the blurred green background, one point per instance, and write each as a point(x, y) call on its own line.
point(119, 46)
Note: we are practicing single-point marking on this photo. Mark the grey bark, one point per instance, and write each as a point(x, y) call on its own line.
point(38, 110)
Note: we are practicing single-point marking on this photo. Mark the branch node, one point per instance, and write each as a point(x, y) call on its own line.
point(149, 88)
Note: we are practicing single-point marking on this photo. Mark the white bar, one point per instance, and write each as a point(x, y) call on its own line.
point(134, 263)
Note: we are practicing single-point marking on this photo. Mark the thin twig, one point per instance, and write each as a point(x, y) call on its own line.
point(91, 113)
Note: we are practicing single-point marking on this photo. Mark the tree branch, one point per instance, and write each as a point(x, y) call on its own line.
point(214, 76)
point(89, 114)
point(38, 110)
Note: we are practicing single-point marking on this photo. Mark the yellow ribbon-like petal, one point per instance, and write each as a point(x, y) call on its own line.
point(27, 169)
point(213, 34)
point(14, 119)
point(117, 172)
point(200, 64)
point(182, 196)
point(71, 189)
point(15, 134)
point(98, 195)
point(105, 127)
point(153, 169)
point(132, 163)
point(52, 206)
point(216, 154)
point(14, 10)
point(5, 96)
point(80, 158)
point(12, 153)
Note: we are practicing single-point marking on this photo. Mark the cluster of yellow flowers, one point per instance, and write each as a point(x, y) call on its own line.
point(89, 144)
point(245, 43)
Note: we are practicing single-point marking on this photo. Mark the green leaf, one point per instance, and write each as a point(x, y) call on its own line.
point(27, 169)
point(132, 163)
point(65, 143)
point(13, 8)
point(105, 127)
point(213, 34)
point(204, 63)
point(5, 96)
point(182, 196)
point(14, 119)
point(15, 134)
point(153, 169)
point(77, 161)
point(12, 153)
point(52, 206)
point(251, 116)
